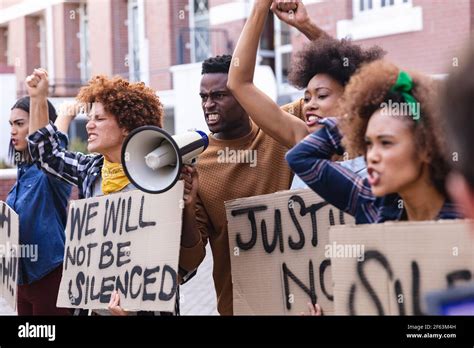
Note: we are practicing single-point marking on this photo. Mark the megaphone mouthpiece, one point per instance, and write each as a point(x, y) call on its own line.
point(152, 158)
point(163, 156)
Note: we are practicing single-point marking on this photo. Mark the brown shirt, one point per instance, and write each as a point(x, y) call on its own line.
point(221, 180)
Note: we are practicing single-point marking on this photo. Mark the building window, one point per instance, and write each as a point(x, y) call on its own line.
point(4, 59)
point(84, 42)
point(283, 49)
point(266, 51)
point(388, 3)
point(375, 18)
point(137, 57)
point(134, 40)
point(365, 5)
point(362, 7)
point(200, 34)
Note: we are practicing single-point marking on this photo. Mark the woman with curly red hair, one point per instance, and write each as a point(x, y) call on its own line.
point(390, 119)
point(117, 107)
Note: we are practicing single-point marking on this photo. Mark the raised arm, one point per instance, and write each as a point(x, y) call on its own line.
point(339, 186)
point(44, 141)
point(37, 85)
point(67, 111)
point(280, 125)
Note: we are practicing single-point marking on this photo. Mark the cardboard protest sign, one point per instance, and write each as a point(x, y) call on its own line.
point(277, 250)
point(128, 242)
point(9, 254)
point(402, 262)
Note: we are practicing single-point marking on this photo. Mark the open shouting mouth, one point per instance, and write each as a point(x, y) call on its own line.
point(212, 118)
point(373, 176)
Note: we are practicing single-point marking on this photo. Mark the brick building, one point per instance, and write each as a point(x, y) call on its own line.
point(156, 40)
point(143, 39)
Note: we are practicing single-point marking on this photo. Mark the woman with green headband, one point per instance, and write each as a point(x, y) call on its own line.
point(389, 119)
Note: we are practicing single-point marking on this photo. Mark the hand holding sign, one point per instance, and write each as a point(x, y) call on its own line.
point(191, 184)
point(314, 310)
point(114, 305)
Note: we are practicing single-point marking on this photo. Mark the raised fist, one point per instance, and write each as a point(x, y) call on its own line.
point(37, 83)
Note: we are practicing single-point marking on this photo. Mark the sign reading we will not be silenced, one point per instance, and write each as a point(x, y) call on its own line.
point(402, 262)
point(9, 242)
point(127, 242)
point(278, 245)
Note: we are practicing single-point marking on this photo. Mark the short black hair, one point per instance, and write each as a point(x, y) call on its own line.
point(24, 104)
point(340, 59)
point(217, 64)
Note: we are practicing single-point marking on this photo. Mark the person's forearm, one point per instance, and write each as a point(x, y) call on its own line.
point(63, 122)
point(312, 31)
point(192, 250)
point(320, 145)
point(191, 235)
point(39, 117)
point(264, 111)
point(339, 186)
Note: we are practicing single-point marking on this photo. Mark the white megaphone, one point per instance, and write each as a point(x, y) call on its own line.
point(152, 158)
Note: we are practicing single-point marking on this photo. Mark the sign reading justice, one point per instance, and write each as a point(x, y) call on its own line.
point(278, 250)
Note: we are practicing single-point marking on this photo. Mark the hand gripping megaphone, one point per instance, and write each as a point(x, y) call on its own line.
point(153, 159)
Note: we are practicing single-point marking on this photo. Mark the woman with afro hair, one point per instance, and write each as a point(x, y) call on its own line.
point(117, 108)
point(390, 119)
point(323, 69)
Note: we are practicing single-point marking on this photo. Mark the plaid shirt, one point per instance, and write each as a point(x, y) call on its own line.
point(341, 187)
point(75, 168)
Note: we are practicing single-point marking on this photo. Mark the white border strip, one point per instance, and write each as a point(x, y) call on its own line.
point(24, 8)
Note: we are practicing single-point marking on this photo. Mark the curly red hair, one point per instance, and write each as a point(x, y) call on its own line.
point(133, 104)
point(367, 92)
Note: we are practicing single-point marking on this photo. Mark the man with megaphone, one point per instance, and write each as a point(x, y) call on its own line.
point(240, 161)
point(118, 108)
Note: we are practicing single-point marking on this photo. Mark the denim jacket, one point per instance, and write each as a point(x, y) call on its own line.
point(41, 201)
